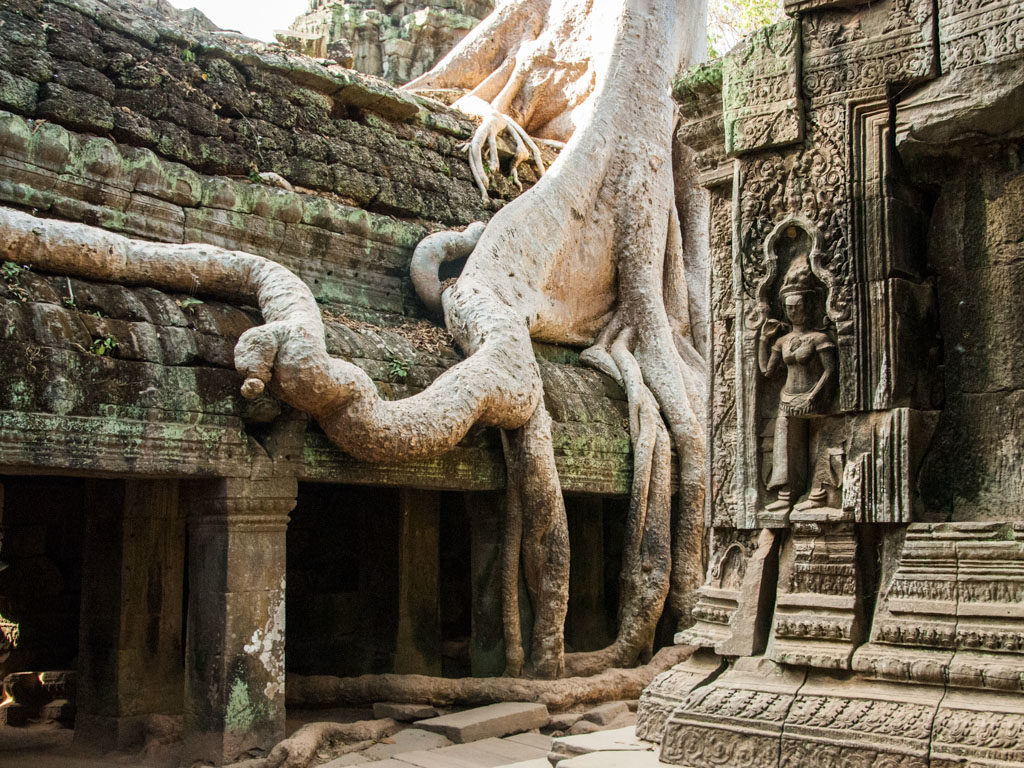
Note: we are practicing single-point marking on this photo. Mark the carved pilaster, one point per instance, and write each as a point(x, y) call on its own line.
point(819, 607)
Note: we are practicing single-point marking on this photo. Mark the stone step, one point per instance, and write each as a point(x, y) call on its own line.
point(484, 722)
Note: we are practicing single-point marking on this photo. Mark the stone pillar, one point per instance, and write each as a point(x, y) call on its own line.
point(418, 646)
point(130, 628)
point(486, 512)
point(234, 665)
point(586, 625)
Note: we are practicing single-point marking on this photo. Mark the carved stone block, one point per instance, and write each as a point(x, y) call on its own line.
point(793, 7)
point(732, 611)
point(979, 729)
point(865, 49)
point(974, 32)
point(957, 600)
point(882, 460)
point(818, 609)
point(735, 721)
point(838, 722)
point(668, 690)
point(761, 90)
point(889, 357)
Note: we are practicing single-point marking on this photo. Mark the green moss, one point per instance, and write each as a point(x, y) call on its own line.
point(241, 713)
point(700, 81)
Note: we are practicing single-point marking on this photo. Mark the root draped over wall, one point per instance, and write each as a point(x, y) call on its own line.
point(590, 256)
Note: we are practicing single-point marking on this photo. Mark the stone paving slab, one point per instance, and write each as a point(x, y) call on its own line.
point(484, 722)
point(511, 751)
point(442, 758)
point(541, 762)
point(353, 758)
point(408, 740)
point(538, 740)
point(616, 740)
point(621, 759)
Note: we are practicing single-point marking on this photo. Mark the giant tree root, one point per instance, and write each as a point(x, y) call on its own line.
point(557, 695)
point(320, 742)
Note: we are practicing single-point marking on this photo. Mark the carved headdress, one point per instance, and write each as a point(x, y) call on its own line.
point(798, 278)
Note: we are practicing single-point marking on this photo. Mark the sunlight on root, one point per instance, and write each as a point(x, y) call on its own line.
point(493, 124)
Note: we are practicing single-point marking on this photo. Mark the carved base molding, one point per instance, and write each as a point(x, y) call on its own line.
point(818, 610)
point(667, 691)
point(761, 714)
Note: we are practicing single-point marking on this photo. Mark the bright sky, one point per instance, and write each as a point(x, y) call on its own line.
point(255, 18)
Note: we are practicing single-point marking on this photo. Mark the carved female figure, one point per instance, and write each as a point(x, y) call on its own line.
point(808, 356)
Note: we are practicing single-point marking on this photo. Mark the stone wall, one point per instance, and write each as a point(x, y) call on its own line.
point(976, 247)
point(394, 40)
point(862, 605)
point(180, 175)
point(219, 106)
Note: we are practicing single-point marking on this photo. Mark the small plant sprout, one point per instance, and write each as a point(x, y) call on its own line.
point(190, 303)
point(103, 345)
point(398, 368)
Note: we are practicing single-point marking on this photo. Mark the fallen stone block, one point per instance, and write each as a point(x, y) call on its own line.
point(584, 726)
point(484, 722)
point(563, 721)
point(617, 740)
point(403, 713)
point(606, 713)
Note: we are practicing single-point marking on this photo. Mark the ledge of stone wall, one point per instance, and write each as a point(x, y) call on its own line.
point(222, 104)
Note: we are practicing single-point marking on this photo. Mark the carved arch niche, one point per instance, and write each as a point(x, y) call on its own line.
point(792, 265)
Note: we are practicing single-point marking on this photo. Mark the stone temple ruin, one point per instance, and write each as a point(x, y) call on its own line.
point(859, 204)
point(394, 40)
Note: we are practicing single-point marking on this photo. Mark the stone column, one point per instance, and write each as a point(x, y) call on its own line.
point(234, 665)
point(418, 647)
point(486, 514)
point(130, 628)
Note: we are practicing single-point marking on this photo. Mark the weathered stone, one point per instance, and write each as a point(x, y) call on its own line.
point(563, 721)
point(614, 759)
point(404, 713)
point(618, 740)
point(485, 722)
point(407, 740)
point(605, 714)
point(583, 727)
point(397, 47)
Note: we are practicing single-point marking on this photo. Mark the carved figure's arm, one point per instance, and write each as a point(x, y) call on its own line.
point(769, 356)
point(827, 356)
